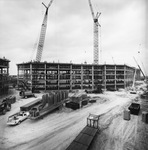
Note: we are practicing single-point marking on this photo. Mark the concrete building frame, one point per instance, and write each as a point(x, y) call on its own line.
point(61, 76)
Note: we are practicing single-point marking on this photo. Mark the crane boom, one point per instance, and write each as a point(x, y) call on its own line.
point(42, 33)
point(91, 9)
point(139, 68)
point(96, 24)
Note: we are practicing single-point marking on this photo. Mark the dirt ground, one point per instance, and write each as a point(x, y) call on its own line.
point(59, 128)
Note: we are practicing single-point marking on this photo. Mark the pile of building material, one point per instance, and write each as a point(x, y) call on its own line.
point(78, 100)
point(49, 102)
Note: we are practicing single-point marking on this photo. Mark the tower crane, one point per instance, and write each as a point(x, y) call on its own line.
point(42, 33)
point(96, 24)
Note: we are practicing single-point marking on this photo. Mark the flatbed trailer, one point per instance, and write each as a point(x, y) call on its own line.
point(84, 139)
point(46, 110)
point(49, 102)
point(28, 106)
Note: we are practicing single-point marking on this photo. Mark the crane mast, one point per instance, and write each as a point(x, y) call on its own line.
point(96, 24)
point(42, 33)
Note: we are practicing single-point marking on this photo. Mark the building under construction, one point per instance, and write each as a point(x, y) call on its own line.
point(4, 73)
point(61, 76)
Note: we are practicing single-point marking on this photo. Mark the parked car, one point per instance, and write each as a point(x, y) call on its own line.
point(17, 118)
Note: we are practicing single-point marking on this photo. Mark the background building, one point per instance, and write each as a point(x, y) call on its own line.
point(4, 76)
point(58, 76)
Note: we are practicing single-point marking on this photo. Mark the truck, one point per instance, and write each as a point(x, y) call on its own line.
point(25, 90)
point(26, 94)
point(4, 107)
point(50, 101)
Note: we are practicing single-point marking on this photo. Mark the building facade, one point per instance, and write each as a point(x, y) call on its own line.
point(61, 76)
point(4, 76)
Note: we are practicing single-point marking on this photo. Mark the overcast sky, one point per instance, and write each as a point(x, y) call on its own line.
point(69, 35)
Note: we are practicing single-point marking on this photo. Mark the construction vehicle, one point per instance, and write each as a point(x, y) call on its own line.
point(26, 94)
point(133, 91)
point(140, 69)
point(25, 91)
point(42, 34)
point(4, 107)
point(50, 101)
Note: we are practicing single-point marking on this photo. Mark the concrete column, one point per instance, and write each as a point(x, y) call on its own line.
point(58, 72)
point(17, 74)
point(82, 77)
point(125, 76)
point(71, 81)
point(115, 79)
point(92, 77)
point(7, 70)
point(105, 77)
point(31, 75)
point(45, 75)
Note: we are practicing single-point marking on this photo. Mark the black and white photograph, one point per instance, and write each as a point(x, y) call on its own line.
point(73, 75)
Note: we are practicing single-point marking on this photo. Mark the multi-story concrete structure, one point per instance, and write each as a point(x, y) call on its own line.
point(4, 73)
point(58, 76)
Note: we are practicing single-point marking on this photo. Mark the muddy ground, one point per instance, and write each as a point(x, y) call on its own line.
point(59, 128)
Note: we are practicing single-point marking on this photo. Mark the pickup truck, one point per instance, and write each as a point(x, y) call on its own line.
point(17, 118)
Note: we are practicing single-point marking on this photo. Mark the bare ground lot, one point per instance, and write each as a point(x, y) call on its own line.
point(57, 130)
